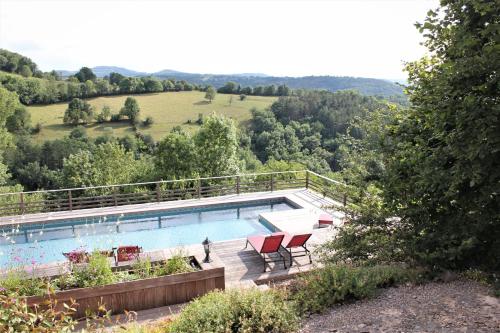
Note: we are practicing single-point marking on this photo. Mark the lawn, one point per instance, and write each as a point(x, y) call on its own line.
point(168, 109)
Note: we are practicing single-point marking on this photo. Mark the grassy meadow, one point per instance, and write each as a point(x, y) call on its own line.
point(168, 109)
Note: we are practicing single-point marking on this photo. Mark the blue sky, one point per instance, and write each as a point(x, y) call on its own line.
point(295, 38)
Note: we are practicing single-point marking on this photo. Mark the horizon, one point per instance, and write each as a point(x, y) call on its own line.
point(168, 33)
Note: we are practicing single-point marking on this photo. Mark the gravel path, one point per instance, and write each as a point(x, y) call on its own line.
point(457, 306)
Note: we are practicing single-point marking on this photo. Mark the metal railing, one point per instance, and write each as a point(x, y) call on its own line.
point(20, 203)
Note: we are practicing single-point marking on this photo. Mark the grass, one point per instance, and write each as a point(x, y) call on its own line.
point(168, 109)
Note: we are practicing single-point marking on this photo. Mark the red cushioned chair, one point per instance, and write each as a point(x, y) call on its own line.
point(267, 245)
point(295, 241)
point(126, 253)
point(325, 220)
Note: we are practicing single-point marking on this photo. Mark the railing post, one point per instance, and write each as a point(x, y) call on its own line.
point(345, 199)
point(307, 178)
point(198, 190)
point(238, 185)
point(70, 200)
point(21, 203)
point(272, 182)
point(158, 192)
point(114, 196)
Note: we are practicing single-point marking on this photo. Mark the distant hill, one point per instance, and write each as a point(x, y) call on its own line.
point(365, 86)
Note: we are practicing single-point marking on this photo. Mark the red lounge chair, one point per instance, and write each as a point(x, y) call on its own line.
point(267, 245)
point(126, 253)
point(294, 241)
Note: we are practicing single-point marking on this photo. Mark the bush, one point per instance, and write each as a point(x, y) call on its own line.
point(16, 316)
point(321, 288)
point(148, 121)
point(96, 273)
point(115, 118)
point(18, 282)
point(243, 97)
point(237, 311)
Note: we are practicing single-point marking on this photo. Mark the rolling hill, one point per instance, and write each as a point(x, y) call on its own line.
point(366, 86)
point(168, 109)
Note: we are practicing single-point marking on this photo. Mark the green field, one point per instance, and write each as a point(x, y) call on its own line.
point(168, 109)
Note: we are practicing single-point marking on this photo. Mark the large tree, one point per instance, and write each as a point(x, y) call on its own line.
point(78, 111)
point(217, 147)
point(176, 156)
point(443, 163)
point(131, 109)
point(85, 74)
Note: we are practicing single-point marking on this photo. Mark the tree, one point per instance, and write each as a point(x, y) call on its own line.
point(131, 109)
point(19, 121)
point(210, 93)
point(107, 164)
point(446, 153)
point(78, 111)
point(85, 74)
point(176, 156)
point(26, 71)
point(217, 146)
point(9, 102)
point(105, 114)
point(442, 155)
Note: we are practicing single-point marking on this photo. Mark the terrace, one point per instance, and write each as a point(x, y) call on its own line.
point(160, 206)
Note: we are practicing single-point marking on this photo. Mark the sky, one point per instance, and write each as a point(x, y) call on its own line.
point(368, 38)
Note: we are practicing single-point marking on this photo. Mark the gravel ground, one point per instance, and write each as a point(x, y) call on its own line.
point(457, 306)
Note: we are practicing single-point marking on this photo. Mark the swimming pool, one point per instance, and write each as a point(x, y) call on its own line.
point(43, 243)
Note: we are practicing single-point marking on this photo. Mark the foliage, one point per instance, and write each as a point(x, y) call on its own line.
point(321, 288)
point(443, 163)
point(96, 273)
point(210, 93)
point(18, 282)
point(19, 122)
point(106, 164)
point(8, 105)
point(237, 311)
point(176, 264)
point(78, 111)
point(130, 109)
point(85, 74)
point(176, 156)
point(16, 316)
point(148, 121)
point(217, 144)
point(306, 127)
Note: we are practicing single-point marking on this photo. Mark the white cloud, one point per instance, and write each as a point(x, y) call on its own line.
point(294, 38)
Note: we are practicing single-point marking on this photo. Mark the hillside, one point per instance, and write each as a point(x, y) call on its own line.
point(168, 109)
point(366, 86)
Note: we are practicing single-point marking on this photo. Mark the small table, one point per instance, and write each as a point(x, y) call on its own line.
point(325, 220)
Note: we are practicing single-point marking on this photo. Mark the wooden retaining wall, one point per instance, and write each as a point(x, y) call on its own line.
point(140, 294)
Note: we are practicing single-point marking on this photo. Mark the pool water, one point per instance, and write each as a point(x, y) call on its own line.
point(43, 243)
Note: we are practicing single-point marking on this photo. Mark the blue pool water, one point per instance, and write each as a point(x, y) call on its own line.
point(45, 243)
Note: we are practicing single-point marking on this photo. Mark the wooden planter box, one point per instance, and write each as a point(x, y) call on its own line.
point(140, 294)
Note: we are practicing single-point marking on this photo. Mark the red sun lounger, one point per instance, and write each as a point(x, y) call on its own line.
point(295, 241)
point(267, 245)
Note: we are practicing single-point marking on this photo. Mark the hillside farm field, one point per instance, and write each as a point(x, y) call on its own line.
point(168, 109)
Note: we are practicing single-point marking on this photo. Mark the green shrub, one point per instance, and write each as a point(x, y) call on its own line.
point(321, 288)
point(18, 282)
point(178, 263)
point(96, 273)
point(237, 311)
